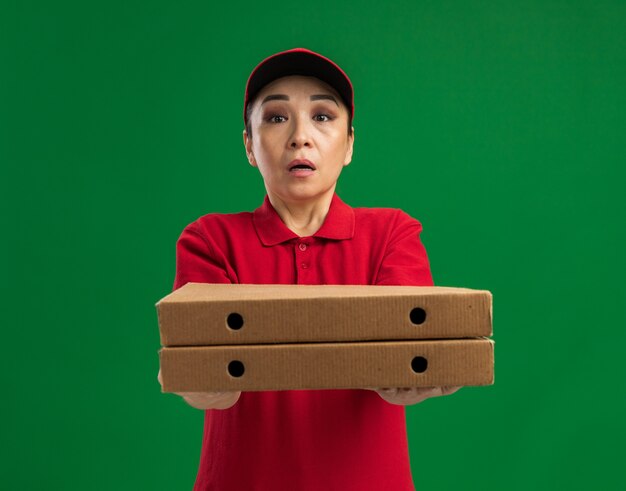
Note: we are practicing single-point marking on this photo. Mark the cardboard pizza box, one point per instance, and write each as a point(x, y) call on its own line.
point(204, 314)
point(328, 365)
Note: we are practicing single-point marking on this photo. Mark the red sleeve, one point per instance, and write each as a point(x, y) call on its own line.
point(405, 261)
point(197, 261)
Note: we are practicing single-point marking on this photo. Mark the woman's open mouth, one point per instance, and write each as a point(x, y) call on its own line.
point(301, 167)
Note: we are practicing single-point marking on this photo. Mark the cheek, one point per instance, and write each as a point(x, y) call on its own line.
point(270, 137)
point(267, 151)
point(262, 145)
point(339, 146)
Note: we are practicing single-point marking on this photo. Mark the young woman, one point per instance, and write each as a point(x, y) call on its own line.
point(298, 111)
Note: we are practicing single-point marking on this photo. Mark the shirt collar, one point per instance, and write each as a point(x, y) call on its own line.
point(338, 224)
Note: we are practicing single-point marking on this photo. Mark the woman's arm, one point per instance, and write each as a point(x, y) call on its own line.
point(406, 263)
point(198, 261)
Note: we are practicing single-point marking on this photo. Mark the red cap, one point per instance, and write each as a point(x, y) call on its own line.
point(299, 61)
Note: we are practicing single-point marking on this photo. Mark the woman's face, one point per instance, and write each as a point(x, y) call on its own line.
point(299, 139)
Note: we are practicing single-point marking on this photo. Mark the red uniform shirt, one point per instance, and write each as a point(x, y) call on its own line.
point(305, 440)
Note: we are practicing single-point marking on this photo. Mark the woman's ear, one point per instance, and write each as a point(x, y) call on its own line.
point(247, 142)
point(348, 158)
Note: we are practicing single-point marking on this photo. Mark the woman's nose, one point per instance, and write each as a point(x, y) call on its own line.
point(300, 136)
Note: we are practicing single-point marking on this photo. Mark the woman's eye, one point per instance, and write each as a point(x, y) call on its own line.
point(321, 117)
point(276, 118)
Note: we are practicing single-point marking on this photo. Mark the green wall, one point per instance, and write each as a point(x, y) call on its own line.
point(499, 125)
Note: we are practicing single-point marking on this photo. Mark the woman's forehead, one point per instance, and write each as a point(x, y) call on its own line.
point(296, 83)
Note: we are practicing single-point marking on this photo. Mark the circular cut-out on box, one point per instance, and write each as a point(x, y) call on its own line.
point(234, 321)
point(417, 315)
point(236, 368)
point(419, 364)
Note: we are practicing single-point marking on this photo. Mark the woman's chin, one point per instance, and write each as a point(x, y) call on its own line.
point(304, 193)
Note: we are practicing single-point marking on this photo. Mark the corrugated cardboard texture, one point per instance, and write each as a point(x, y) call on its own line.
point(199, 314)
point(328, 365)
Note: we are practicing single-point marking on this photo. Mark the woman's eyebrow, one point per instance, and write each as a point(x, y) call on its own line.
point(283, 97)
point(275, 97)
point(317, 97)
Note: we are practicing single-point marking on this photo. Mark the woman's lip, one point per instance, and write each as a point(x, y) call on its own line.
point(301, 172)
point(295, 162)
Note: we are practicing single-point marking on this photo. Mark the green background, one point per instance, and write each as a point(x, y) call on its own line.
point(499, 125)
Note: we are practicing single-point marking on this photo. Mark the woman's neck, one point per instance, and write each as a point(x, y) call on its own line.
point(306, 217)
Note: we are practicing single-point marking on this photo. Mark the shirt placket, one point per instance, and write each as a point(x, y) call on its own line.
point(304, 261)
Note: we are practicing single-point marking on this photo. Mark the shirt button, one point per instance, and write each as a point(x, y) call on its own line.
point(302, 246)
point(304, 265)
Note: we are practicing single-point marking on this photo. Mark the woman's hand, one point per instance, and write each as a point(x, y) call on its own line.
point(207, 400)
point(210, 400)
point(405, 396)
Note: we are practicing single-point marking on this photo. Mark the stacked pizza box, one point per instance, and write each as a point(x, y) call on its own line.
point(218, 337)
